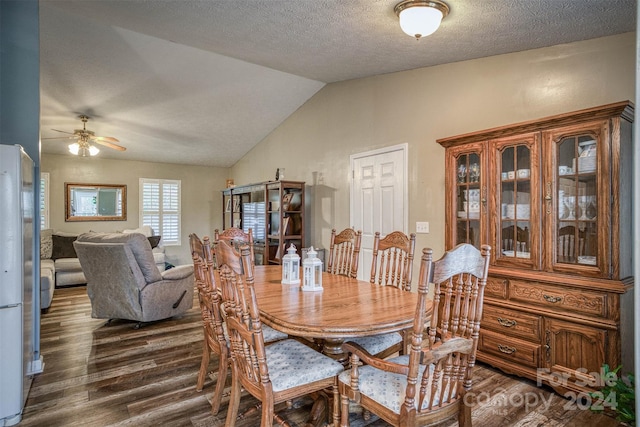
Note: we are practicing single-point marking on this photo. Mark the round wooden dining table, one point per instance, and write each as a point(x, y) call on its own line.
point(345, 308)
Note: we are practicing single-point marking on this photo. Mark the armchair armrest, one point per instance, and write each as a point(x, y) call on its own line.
point(385, 365)
point(177, 273)
point(442, 349)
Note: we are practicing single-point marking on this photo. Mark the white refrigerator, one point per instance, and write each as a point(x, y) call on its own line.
point(16, 281)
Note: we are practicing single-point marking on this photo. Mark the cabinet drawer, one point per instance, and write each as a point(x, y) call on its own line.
point(563, 299)
point(512, 323)
point(496, 288)
point(511, 349)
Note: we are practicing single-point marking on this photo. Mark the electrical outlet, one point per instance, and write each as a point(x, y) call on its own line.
point(422, 227)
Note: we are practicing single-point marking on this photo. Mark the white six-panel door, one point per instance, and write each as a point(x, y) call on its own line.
point(378, 197)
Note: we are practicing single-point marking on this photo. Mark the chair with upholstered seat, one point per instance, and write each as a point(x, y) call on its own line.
point(344, 250)
point(391, 265)
point(215, 340)
point(275, 373)
point(428, 385)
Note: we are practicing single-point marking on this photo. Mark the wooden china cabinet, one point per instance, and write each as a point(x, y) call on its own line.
point(553, 198)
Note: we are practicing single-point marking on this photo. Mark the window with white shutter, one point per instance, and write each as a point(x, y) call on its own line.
point(160, 208)
point(44, 200)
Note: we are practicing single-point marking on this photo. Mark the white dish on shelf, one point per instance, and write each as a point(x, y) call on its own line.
point(523, 211)
point(520, 218)
point(585, 164)
point(565, 170)
point(518, 254)
point(587, 170)
point(472, 215)
point(590, 260)
point(472, 195)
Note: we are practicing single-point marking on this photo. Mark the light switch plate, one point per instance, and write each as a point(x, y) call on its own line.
point(422, 227)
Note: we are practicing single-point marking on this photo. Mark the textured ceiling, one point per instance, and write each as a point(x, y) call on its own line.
point(202, 82)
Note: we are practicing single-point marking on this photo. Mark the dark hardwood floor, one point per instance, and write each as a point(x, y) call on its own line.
point(98, 375)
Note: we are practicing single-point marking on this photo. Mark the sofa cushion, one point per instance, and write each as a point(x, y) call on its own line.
point(70, 278)
point(47, 286)
point(139, 246)
point(145, 229)
point(63, 247)
point(64, 265)
point(46, 243)
point(46, 266)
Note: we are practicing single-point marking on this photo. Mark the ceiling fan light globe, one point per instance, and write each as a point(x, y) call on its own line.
point(93, 150)
point(74, 148)
point(420, 21)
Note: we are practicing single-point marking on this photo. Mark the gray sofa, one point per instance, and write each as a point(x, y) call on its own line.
point(60, 267)
point(123, 281)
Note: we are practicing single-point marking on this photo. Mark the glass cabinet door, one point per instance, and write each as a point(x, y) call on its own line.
point(469, 199)
point(576, 208)
point(516, 171)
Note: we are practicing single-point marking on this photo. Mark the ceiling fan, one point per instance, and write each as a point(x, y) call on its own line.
point(84, 138)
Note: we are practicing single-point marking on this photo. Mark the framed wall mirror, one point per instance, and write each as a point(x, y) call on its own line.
point(95, 202)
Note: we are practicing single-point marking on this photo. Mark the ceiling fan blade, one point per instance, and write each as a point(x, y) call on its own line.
point(102, 140)
point(61, 137)
point(105, 138)
point(63, 131)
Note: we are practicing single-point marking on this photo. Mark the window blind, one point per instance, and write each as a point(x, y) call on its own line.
point(160, 201)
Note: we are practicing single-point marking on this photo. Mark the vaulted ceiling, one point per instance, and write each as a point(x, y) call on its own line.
point(202, 82)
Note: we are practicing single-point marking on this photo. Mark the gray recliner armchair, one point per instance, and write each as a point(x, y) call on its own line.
point(123, 281)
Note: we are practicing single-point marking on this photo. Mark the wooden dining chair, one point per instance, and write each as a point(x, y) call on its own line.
point(275, 373)
point(212, 323)
point(429, 384)
point(214, 327)
point(392, 262)
point(570, 244)
point(391, 265)
point(236, 237)
point(515, 239)
point(344, 250)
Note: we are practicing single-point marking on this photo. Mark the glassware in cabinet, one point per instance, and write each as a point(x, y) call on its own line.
point(514, 200)
point(469, 199)
point(577, 200)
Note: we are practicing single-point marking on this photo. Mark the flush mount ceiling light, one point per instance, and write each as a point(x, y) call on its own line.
point(420, 18)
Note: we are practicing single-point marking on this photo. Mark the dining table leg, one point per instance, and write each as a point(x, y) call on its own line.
point(333, 348)
point(323, 407)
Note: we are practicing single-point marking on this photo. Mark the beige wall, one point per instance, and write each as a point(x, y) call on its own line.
point(201, 197)
point(415, 107)
point(419, 106)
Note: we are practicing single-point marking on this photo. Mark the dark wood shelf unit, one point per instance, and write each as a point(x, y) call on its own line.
point(262, 207)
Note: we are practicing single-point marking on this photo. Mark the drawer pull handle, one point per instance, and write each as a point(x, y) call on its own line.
point(507, 323)
point(551, 299)
point(506, 349)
